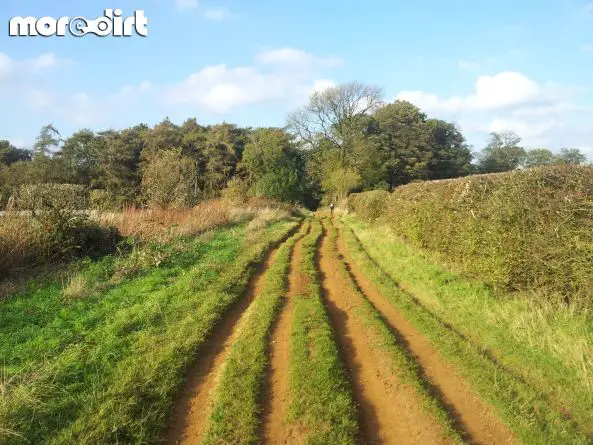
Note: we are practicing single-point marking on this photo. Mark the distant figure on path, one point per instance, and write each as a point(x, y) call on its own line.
point(331, 208)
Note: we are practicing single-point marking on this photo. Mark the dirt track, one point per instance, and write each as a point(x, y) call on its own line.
point(473, 416)
point(390, 410)
point(276, 429)
point(191, 411)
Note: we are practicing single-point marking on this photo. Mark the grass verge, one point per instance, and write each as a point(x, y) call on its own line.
point(236, 401)
point(104, 368)
point(384, 341)
point(321, 402)
point(525, 408)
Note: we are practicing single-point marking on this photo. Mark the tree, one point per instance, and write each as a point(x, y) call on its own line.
point(340, 182)
point(274, 167)
point(539, 156)
point(9, 154)
point(571, 156)
point(503, 153)
point(331, 115)
point(404, 139)
point(222, 152)
point(80, 154)
point(49, 137)
point(164, 136)
point(119, 163)
point(167, 180)
point(451, 156)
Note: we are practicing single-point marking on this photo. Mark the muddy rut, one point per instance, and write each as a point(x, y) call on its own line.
point(191, 412)
point(276, 401)
point(472, 415)
point(390, 412)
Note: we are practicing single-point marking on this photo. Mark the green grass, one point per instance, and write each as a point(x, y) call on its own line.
point(105, 368)
point(236, 401)
point(533, 389)
point(384, 341)
point(321, 402)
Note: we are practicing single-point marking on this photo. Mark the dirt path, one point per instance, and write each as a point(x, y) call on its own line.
point(477, 419)
point(275, 428)
point(191, 412)
point(390, 411)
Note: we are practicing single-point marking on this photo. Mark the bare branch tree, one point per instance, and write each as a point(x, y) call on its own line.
point(330, 113)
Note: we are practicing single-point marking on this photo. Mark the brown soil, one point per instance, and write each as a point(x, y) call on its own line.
point(476, 418)
point(192, 409)
point(275, 427)
point(390, 411)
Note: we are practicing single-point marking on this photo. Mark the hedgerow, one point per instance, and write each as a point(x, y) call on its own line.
point(522, 230)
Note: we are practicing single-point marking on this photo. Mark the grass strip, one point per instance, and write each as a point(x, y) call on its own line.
point(384, 341)
point(525, 410)
point(121, 355)
point(236, 401)
point(321, 401)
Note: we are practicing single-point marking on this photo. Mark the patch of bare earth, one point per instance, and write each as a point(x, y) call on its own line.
point(476, 418)
point(390, 411)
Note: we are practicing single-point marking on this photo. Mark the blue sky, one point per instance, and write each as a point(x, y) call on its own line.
point(521, 65)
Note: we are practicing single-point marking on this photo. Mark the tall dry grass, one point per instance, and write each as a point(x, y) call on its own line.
point(161, 225)
point(24, 242)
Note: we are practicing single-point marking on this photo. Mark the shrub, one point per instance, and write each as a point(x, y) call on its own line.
point(522, 230)
point(101, 200)
point(56, 228)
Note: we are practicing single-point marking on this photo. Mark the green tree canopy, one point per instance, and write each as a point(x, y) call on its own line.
point(273, 166)
point(503, 153)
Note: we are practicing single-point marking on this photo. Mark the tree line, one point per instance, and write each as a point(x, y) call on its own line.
point(345, 139)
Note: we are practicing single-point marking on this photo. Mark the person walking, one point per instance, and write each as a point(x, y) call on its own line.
point(331, 208)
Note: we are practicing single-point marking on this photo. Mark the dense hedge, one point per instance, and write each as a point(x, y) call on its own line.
point(523, 230)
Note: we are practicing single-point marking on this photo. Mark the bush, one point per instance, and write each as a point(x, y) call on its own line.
point(371, 204)
point(101, 200)
point(57, 228)
point(522, 230)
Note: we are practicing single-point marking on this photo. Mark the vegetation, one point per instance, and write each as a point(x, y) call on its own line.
point(386, 344)
point(321, 400)
point(345, 139)
point(234, 418)
point(147, 237)
point(528, 362)
point(97, 359)
point(524, 230)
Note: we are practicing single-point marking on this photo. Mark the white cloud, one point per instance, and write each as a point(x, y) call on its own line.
point(216, 14)
point(186, 4)
point(17, 72)
point(540, 113)
point(17, 142)
point(322, 84)
point(588, 47)
point(285, 74)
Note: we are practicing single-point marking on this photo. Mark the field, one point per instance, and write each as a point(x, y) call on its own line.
point(258, 325)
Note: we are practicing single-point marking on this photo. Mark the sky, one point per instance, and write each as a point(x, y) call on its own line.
point(520, 65)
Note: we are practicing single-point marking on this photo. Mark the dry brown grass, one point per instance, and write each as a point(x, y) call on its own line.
point(23, 243)
point(162, 225)
point(18, 242)
point(76, 288)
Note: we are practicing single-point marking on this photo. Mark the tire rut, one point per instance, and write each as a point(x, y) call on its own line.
point(276, 402)
point(191, 410)
point(390, 412)
point(474, 417)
